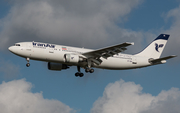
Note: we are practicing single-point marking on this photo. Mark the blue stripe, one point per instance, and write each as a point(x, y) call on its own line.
point(163, 37)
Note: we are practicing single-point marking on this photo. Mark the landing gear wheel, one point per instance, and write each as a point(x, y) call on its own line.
point(77, 74)
point(91, 71)
point(87, 70)
point(28, 64)
point(81, 74)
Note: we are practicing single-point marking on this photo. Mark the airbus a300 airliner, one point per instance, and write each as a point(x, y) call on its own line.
point(61, 57)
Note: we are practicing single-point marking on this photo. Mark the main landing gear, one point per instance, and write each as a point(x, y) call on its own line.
point(28, 64)
point(89, 70)
point(79, 72)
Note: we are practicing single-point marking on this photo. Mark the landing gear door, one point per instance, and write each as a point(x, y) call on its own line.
point(51, 50)
point(134, 60)
point(28, 48)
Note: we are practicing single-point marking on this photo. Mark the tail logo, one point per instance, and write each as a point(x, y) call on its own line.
point(158, 46)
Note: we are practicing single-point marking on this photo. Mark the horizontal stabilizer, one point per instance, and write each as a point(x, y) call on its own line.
point(161, 60)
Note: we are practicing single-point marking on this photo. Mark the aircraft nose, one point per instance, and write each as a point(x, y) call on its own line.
point(12, 49)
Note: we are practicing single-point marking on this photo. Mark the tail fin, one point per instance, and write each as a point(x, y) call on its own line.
point(155, 49)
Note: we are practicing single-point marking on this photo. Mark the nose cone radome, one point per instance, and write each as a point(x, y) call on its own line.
point(12, 49)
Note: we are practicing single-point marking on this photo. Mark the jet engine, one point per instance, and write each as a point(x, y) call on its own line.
point(57, 66)
point(71, 58)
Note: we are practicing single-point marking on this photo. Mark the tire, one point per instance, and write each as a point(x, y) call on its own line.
point(28, 64)
point(76, 74)
point(87, 70)
point(81, 74)
point(91, 71)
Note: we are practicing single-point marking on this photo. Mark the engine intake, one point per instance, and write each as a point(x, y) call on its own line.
point(57, 66)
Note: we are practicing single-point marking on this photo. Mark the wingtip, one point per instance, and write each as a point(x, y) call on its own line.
point(132, 43)
point(173, 55)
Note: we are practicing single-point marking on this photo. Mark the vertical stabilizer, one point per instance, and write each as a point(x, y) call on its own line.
point(155, 49)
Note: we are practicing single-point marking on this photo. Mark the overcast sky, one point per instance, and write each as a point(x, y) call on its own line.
point(90, 24)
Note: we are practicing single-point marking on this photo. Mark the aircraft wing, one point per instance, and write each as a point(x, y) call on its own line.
point(108, 51)
point(160, 60)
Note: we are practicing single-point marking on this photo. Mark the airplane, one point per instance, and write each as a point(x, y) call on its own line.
point(60, 57)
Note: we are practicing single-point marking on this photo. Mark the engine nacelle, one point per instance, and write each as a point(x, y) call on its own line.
point(70, 58)
point(57, 66)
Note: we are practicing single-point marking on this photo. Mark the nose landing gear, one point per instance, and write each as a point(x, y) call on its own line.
point(28, 64)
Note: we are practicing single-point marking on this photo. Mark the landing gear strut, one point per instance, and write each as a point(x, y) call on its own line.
point(28, 64)
point(88, 69)
point(79, 72)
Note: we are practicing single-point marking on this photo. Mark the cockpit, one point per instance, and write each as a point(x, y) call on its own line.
point(17, 45)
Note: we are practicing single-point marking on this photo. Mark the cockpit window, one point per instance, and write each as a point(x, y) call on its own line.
point(17, 45)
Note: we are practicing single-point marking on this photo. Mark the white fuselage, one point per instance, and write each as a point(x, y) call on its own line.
point(55, 53)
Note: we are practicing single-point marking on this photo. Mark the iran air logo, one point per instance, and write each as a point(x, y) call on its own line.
point(158, 46)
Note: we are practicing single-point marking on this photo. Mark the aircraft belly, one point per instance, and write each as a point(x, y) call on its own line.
point(115, 63)
point(120, 63)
